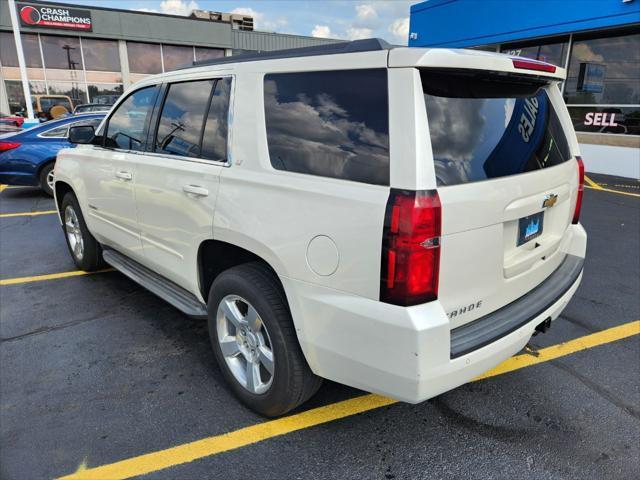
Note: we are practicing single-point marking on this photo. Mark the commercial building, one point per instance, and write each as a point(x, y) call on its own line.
point(92, 54)
point(598, 42)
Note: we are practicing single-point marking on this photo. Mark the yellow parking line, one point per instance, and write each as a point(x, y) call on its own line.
point(27, 214)
point(50, 276)
point(188, 452)
point(592, 183)
point(619, 192)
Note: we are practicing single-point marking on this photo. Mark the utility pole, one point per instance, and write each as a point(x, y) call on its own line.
point(21, 62)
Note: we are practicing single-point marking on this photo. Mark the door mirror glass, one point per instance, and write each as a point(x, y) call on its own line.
point(82, 134)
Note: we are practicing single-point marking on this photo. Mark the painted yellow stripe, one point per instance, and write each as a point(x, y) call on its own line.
point(188, 452)
point(50, 276)
point(619, 192)
point(592, 183)
point(27, 214)
point(3, 187)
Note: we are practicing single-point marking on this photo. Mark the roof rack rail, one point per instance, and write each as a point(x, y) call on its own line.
point(367, 45)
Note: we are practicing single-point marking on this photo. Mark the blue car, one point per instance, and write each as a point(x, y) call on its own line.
point(27, 157)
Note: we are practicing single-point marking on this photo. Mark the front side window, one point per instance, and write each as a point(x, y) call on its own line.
point(182, 118)
point(126, 126)
point(483, 128)
point(330, 124)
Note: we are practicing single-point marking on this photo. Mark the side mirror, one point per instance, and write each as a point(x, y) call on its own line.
point(82, 134)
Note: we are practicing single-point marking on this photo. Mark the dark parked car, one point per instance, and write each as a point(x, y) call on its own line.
point(27, 157)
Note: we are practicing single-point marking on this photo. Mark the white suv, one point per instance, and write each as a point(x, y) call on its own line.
point(395, 219)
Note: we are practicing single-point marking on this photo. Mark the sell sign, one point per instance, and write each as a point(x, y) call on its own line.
point(54, 17)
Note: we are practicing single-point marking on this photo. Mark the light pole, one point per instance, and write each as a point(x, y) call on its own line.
point(21, 62)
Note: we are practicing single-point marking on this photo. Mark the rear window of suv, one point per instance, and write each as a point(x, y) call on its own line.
point(330, 124)
point(485, 126)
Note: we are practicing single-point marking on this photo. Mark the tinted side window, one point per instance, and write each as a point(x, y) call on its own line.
point(214, 140)
point(182, 118)
point(127, 124)
point(58, 132)
point(331, 124)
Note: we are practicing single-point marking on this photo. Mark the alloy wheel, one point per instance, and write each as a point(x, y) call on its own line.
point(74, 234)
point(245, 344)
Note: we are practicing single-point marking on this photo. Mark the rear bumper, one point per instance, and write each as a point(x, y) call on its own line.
point(407, 353)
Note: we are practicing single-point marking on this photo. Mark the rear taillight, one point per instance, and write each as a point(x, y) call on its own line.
point(533, 65)
point(411, 247)
point(576, 212)
point(4, 146)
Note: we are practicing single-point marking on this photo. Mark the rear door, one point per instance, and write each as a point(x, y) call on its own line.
point(178, 178)
point(507, 181)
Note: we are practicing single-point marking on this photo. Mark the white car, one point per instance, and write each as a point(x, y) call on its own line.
point(399, 220)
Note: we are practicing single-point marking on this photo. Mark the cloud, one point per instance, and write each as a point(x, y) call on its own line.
point(358, 33)
point(178, 7)
point(321, 31)
point(400, 29)
point(366, 12)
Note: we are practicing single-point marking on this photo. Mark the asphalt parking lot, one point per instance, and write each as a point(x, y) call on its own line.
point(101, 379)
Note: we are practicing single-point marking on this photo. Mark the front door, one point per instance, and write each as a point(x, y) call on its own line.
point(111, 173)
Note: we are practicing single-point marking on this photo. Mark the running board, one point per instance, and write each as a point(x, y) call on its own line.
point(157, 284)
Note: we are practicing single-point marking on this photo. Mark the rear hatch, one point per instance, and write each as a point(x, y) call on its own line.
point(507, 181)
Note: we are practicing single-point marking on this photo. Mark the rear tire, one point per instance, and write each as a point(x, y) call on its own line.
point(46, 178)
point(84, 248)
point(249, 318)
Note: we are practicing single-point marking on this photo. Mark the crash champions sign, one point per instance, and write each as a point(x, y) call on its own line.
point(54, 17)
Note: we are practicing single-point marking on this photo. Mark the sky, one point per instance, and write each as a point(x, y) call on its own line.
point(344, 19)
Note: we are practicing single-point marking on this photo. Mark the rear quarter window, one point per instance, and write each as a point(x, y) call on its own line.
point(482, 129)
point(329, 124)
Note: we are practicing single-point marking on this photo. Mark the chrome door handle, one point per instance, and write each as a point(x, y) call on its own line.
point(126, 176)
point(195, 190)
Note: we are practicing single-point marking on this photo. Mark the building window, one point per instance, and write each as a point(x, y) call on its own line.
point(551, 52)
point(61, 52)
point(74, 90)
point(144, 57)
point(602, 79)
point(30, 45)
point(101, 55)
point(15, 95)
point(203, 53)
point(330, 124)
point(604, 71)
point(106, 94)
point(176, 57)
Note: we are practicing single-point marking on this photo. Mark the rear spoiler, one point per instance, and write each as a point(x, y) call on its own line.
point(472, 60)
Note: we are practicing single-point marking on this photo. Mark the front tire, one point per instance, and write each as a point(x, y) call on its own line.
point(84, 248)
point(46, 178)
point(255, 342)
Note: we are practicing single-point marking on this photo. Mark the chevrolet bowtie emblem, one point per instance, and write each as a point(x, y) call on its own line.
point(550, 200)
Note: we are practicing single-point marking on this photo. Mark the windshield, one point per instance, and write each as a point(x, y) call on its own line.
point(484, 128)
